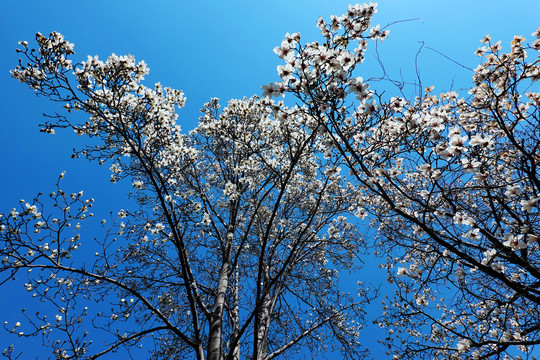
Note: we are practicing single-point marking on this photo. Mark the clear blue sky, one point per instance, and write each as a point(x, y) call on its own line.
point(210, 49)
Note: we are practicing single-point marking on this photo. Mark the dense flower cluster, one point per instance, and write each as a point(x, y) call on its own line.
point(321, 72)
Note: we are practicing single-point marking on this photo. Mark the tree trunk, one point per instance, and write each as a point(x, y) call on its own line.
point(235, 317)
point(215, 337)
point(264, 325)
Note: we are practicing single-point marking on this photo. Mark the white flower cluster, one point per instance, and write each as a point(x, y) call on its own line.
point(325, 69)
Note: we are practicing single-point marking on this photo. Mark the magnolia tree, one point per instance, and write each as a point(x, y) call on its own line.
point(235, 247)
point(451, 183)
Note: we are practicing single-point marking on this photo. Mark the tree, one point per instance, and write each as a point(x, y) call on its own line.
point(236, 245)
point(450, 182)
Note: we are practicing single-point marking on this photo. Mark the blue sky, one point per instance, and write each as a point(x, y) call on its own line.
point(211, 49)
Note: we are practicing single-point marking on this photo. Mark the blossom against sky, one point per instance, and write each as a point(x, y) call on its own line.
point(224, 49)
point(214, 49)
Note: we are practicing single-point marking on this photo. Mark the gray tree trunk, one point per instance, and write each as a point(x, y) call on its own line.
point(215, 338)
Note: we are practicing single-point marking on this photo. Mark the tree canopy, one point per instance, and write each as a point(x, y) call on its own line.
point(244, 224)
